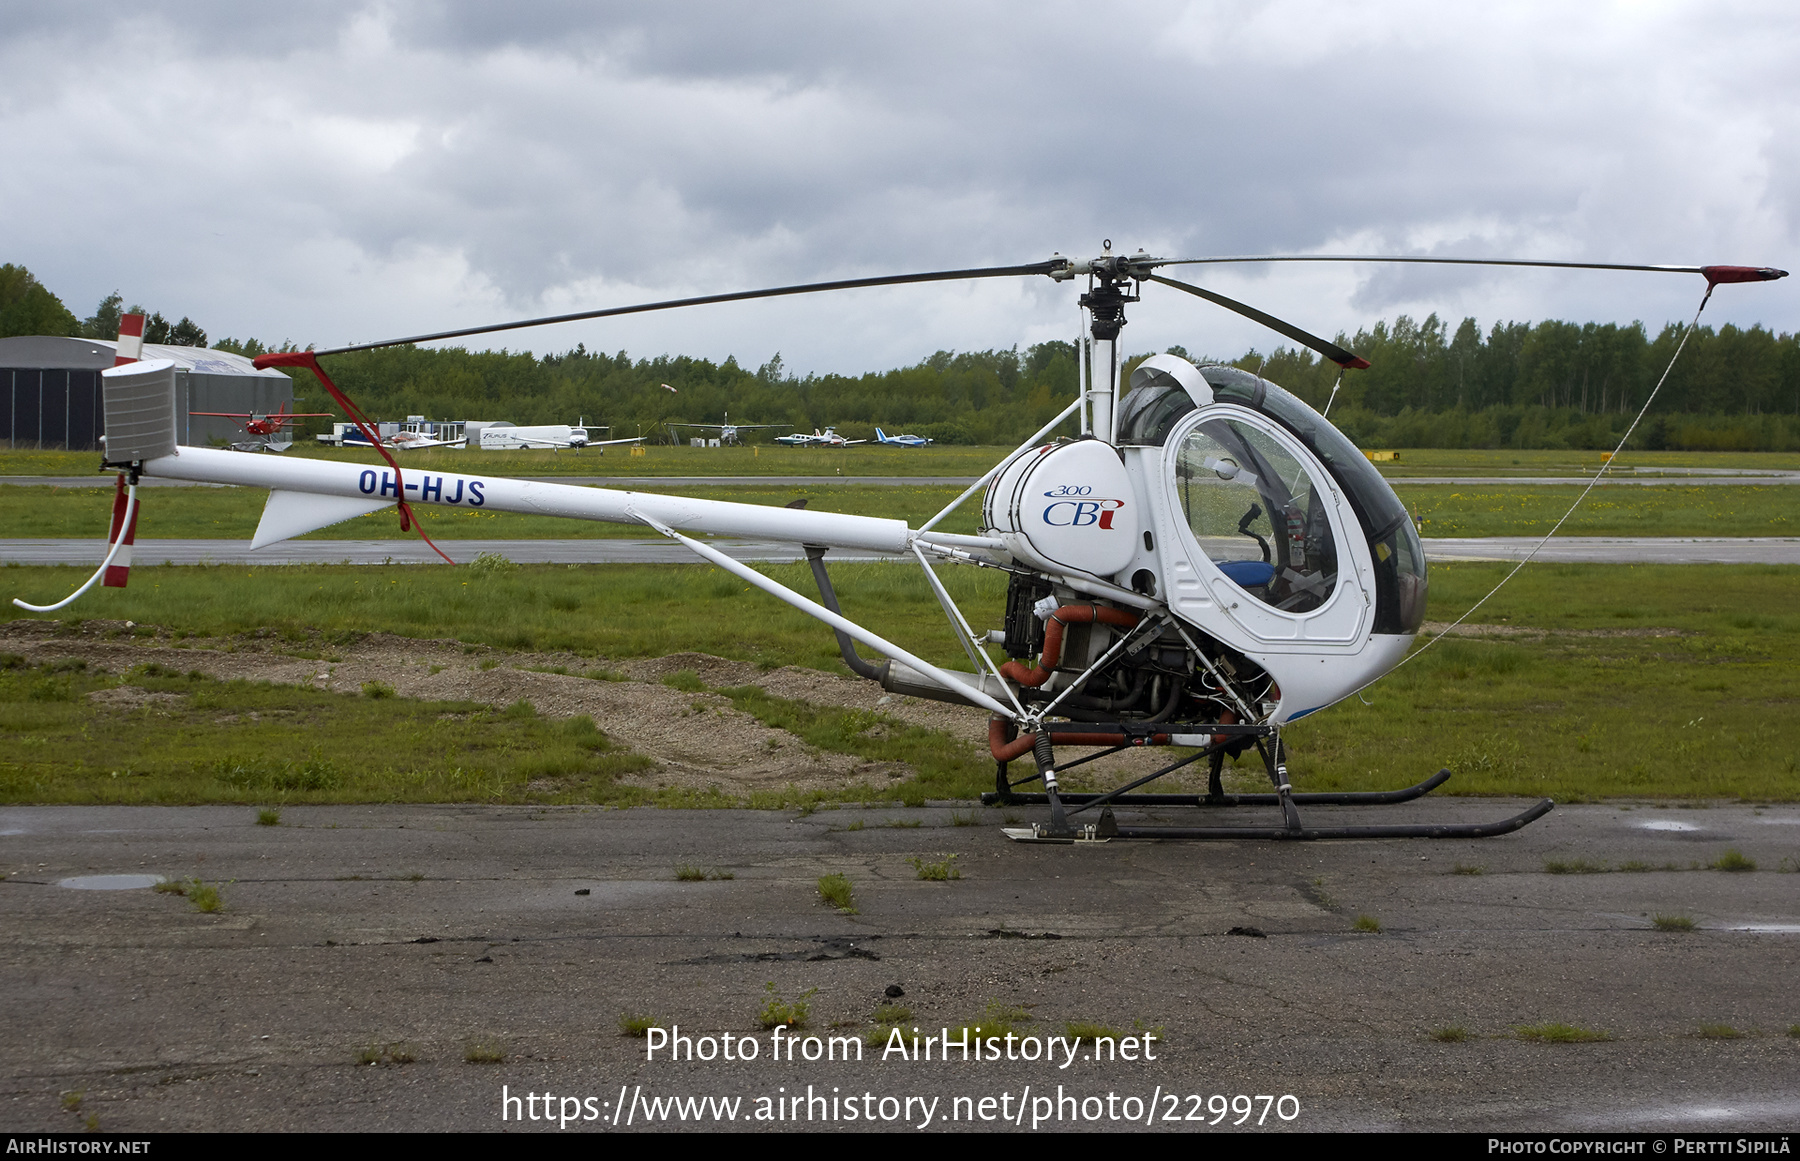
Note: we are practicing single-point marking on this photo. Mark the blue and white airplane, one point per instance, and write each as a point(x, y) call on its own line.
point(901, 440)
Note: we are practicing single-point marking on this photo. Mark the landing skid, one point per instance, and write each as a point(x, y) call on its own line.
point(1106, 830)
point(1062, 829)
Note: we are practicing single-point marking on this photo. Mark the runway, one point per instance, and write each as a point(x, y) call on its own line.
point(1563, 549)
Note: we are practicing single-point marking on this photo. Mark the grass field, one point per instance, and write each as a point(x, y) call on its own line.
point(1498, 510)
point(1662, 510)
point(1653, 682)
point(197, 740)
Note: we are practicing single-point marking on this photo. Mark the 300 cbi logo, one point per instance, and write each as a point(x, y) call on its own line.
point(1072, 509)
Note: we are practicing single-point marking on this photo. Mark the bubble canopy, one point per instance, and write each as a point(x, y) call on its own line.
point(1149, 413)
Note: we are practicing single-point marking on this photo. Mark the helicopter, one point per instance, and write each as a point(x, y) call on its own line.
point(1206, 562)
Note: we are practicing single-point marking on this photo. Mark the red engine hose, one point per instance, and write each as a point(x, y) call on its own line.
point(1053, 639)
point(1005, 751)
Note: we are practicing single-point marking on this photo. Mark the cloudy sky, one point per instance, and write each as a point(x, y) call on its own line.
point(346, 172)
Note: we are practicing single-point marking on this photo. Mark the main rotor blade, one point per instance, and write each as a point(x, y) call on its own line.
point(1714, 274)
point(1330, 350)
point(706, 299)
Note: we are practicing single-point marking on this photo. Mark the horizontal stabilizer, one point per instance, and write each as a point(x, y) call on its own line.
point(297, 513)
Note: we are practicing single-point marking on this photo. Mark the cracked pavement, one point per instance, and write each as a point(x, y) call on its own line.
point(419, 931)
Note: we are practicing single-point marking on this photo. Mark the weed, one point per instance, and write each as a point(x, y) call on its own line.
point(941, 871)
point(416, 877)
point(1672, 922)
point(887, 1018)
point(1561, 1034)
point(1719, 1032)
point(1368, 924)
point(638, 1026)
point(491, 564)
point(489, 663)
point(684, 679)
point(1453, 1034)
point(777, 1011)
point(835, 890)
point(92, 1124)
point(268, 816)
point(1090, 1031)
point(1573, 867)
point(71, 1100)
point(1794, 1030)
point(435, 670)
point(857, 825)
point(892, 1014)
point(170, 887)
point(1466, 869)
point(1634, 866)
point(484, 1052)
point(957, 818)
point(377, 689)
point(688, 873)
point(998, 1019)
point(1733, 860)
point(369, 1055)
point(204, 896)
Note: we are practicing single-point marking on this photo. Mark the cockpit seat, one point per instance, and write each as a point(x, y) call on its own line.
point(1249, 574)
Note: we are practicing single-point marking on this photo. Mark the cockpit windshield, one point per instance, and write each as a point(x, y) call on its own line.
point(1257, 515)
point(1399, 557)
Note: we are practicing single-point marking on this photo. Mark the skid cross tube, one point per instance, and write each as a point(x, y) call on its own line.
point(1322, 798)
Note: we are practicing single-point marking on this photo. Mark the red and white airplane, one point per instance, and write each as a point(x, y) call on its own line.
point(269, 432)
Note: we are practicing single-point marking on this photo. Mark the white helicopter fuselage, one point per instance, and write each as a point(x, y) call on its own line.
point(1098, 520)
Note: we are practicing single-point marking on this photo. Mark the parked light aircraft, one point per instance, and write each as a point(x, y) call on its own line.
point(827, 438)
point(267, 432)
point(728, 431)
point(901, 440)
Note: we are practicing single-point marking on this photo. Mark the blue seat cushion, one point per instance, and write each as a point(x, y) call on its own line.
point(1251, 574)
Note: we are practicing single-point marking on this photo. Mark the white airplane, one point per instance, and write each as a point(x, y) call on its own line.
point(827, 438)
point(551, 435)
point(901, 440)
point(728, 431)
point(416, 440)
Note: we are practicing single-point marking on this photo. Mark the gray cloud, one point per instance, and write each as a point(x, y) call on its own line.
point(326, 172)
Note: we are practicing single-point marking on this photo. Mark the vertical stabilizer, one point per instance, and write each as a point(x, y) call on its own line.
point(139, 401)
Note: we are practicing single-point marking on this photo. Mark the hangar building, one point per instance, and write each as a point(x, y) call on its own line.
point(50, 391)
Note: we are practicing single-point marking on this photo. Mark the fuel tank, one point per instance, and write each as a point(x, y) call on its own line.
point(1066, 507)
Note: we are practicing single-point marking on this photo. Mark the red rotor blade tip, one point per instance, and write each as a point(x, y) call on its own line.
point(283, 359)
point(1717, 274)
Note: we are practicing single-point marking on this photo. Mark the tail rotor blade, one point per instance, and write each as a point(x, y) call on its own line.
point(1329, 349)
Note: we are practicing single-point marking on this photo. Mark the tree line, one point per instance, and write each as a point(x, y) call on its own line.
point(27, 307)
point(1517, 384)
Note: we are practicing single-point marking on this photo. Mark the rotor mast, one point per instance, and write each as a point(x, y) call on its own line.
point(1109, 289)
